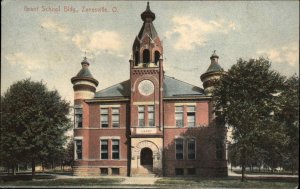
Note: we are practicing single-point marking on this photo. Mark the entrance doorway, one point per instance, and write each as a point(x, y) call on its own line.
point(146, 156)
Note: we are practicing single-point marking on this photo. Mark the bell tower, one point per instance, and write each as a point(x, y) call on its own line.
point(146, 100)
point(147, 48)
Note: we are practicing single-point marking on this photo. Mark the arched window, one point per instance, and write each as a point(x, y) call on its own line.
point(136, 58)
point(156, 55)
point(146, 56)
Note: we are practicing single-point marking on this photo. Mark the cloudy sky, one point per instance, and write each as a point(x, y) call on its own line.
point(46, 40)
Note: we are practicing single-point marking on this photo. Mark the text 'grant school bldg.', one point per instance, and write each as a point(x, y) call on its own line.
point(150, 124)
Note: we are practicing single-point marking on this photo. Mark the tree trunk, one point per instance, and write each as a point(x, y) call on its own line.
point(243, 162)
point(43, 167)
point(293, 169)
point(33, 168)
point(13, 170)
point(243, 173)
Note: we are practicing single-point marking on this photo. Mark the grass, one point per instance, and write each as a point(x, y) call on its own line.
point(228, 182)
point(164, 182)
point(64, 182)
point(255, 172)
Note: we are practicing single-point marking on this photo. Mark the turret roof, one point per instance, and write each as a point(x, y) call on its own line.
point(85, 73)
point(214, 65)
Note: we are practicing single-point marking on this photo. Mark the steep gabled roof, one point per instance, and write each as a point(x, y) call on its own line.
point(172, 88)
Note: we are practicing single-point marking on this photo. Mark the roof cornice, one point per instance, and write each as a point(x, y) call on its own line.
point(187, 98)
point(111, 99)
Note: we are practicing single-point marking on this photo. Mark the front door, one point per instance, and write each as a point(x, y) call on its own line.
point(146, 156)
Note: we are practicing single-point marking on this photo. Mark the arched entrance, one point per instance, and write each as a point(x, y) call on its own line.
point(146, 157)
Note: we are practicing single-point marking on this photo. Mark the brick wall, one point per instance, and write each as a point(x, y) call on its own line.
point(206, 163)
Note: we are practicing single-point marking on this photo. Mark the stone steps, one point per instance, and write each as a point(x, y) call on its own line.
point(144, 171)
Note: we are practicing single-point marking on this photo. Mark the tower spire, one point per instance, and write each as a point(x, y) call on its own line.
point(148, 15)
point(147, 47)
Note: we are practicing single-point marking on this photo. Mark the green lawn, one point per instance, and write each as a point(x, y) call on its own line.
point(64, 182)
point(256, 172)
point(166, 182)
point(226, 183)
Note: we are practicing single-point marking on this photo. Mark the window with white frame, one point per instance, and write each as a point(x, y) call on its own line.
point(191, 148)
point(104, 149)
point(78, 149)
point(151, 119)
point(141, 116)
point(104, 117)
point(115, 149)
point(179, 116)
point(179, 148)
point(78, 117)
point(115, 117)
point(191, 116)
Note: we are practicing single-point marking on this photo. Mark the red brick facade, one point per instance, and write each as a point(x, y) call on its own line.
point(132, 128)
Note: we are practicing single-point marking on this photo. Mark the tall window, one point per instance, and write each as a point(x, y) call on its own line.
point(136, 58)
point(78, 117)
point(157, 56)
point(151, 119)
point(115, 149)
point(219, 149)
point(78, 149)
point(191, 116)
point(179, 148)
point(179, 116)
point(191, 149)
point(146, 56)
point(104, 117)
point(104, 149)
point(115, 117)
point(141, 110)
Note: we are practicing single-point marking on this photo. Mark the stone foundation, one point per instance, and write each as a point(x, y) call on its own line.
point(99, 171)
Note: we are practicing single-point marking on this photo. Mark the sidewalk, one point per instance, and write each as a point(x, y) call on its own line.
point(140, 180)
point(127, 180)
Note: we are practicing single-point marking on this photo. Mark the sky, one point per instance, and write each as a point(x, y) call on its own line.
point(47, 40)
